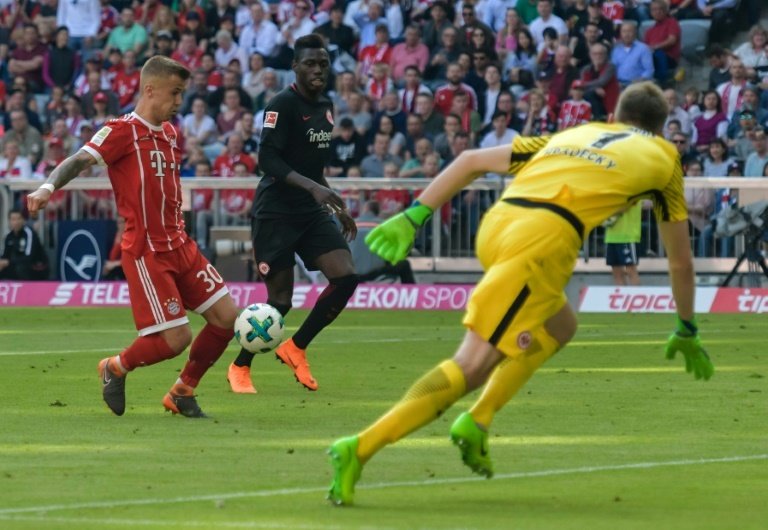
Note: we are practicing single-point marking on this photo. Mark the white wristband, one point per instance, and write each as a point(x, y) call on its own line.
point(48, 186)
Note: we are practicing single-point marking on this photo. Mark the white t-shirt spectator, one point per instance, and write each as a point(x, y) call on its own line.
point(205, 130)
point(81, 17)
point(538, 25)
point(21, 168)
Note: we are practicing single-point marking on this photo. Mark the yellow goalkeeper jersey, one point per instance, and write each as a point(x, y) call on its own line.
point(596, 170)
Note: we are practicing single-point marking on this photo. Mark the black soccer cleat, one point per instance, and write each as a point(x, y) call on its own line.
point(181, 400)
point(113, 387)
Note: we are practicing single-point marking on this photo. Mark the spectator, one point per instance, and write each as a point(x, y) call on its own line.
point(683, 145)
point(358, 112)
point(392, 201)
point(632, 58)
point(759, 157)
point(471, 122)
point(432, 120)
point(575, 111)
point(539, 120)
point(684, 9)
point(583, 43)
point(16, 101)
point(414, 168)
point(187, 52)
point(716, 161)
point(489, 97)
point(372, 165)
point(444, 94)
point(61, 63)
point(528, 10)
point(109, 18)
point(750, 101)
point(128, 35)
point(24, 257)
point(234, 203)
point(27, 138)
point(741, 143)
point(12, 164)
point(476, 35)
point(231, 80)
point(369, 22)
point(410, 52)
point(162, 44)
point(230, 113)
point(26, 60)
point(100, 113)
point(547, 19)
point(524, 57)
point(720, 61)
point(500, 134)
point(369, 266)
point(752, 52)
point(82, 20)
point(347, 149)
point(191, 19)
point(562, 76)
point(299, 23)
point(260, 35)
point(396, 138)
point(676, 112)
point(163, 23)
point(700, 203)
point(443, 141)
point(412, 87)
point(711, 124)
point(720, 13)
point(126, 83)
point(442, 56)
point(390, 106)
point(59, 131)
point(506, 36)
point(200, 126)
point(663, 38)
point(336, 32)
point(601, 87)
point(731, 92)
point(414, 132)
point(606, 31)
point(436, 25)
point(227, 50)
point(379, 51)
point(378, 84)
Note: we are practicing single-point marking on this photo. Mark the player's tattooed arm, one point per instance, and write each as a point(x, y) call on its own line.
point(70, 168)
point(59, 177)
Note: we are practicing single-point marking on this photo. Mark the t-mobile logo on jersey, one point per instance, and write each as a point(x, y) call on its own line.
point(159, 164)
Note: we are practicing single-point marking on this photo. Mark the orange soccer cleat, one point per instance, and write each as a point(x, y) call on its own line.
point(296, 358)
point(239, 378)
point(181, 400)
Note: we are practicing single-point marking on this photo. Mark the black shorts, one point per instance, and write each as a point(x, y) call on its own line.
point(618, 254)
point(275, 241)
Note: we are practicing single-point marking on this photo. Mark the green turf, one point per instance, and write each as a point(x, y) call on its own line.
point(564, 449)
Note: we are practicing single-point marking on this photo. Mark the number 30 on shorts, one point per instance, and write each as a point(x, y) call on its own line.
point(211, 277)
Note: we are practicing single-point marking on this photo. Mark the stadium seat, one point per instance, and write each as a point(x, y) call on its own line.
point(695, 38)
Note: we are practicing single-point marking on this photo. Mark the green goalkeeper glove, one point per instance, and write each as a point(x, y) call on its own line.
point(393, 238)
point(686, 339)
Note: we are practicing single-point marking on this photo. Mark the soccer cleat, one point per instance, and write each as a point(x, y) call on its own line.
point(181, 400)
point(346, 470)
point(472, 441)
point(239, 378)
point(296, 358)
point(113, 387)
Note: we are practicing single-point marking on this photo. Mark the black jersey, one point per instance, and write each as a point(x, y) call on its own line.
point(296, 137)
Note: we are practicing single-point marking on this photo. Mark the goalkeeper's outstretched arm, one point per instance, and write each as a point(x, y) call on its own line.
point(681, 274)
point(475, 163)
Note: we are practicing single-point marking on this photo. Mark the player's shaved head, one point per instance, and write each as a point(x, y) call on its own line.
point(643, 105)
point(163, 68)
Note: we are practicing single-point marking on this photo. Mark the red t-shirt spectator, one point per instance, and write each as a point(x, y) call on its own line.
point(126, 86)
point(573, 113)
point(224, 166)
point(193, 61)
point(659, 32)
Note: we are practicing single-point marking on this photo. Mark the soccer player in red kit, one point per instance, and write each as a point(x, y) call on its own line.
point(165, 270)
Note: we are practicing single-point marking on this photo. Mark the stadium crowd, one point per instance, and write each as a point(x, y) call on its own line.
point(413, 84)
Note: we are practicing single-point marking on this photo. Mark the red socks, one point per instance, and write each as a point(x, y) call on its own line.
point(206, 349)
point(144, 351)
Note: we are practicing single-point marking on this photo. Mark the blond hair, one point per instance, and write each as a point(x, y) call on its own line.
point(643, 105)
point(161, 66)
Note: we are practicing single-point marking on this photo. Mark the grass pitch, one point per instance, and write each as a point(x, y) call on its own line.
point(607, 435)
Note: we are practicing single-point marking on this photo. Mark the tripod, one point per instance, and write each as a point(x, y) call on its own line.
point(751, 254)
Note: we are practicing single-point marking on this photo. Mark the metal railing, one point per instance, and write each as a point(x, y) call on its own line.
point(448, 245)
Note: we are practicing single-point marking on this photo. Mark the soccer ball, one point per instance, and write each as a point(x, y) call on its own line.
point(259, 328)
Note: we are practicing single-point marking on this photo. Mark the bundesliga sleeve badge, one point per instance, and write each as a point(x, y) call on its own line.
point(270, 119)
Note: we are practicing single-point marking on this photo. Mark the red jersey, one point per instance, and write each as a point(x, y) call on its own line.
point(234, 201)
point(444, 97)
point(143, 162)
point(126, 85)
point(613, 10)
point(371, 55)
point(193, 61)
point(574, 113)
point(109, 18)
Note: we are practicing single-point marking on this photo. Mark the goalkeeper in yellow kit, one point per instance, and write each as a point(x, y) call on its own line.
point(528, 242)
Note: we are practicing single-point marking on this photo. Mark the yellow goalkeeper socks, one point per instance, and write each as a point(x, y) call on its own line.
point(424, 402)
point(510, 376)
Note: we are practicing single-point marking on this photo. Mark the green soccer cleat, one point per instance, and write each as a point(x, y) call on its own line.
point(346, 470)
point(472, 441)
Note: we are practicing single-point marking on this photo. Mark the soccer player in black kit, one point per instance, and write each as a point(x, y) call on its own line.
point(293, 210)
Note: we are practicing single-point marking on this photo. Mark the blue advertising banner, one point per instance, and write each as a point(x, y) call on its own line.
point(83, 247)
